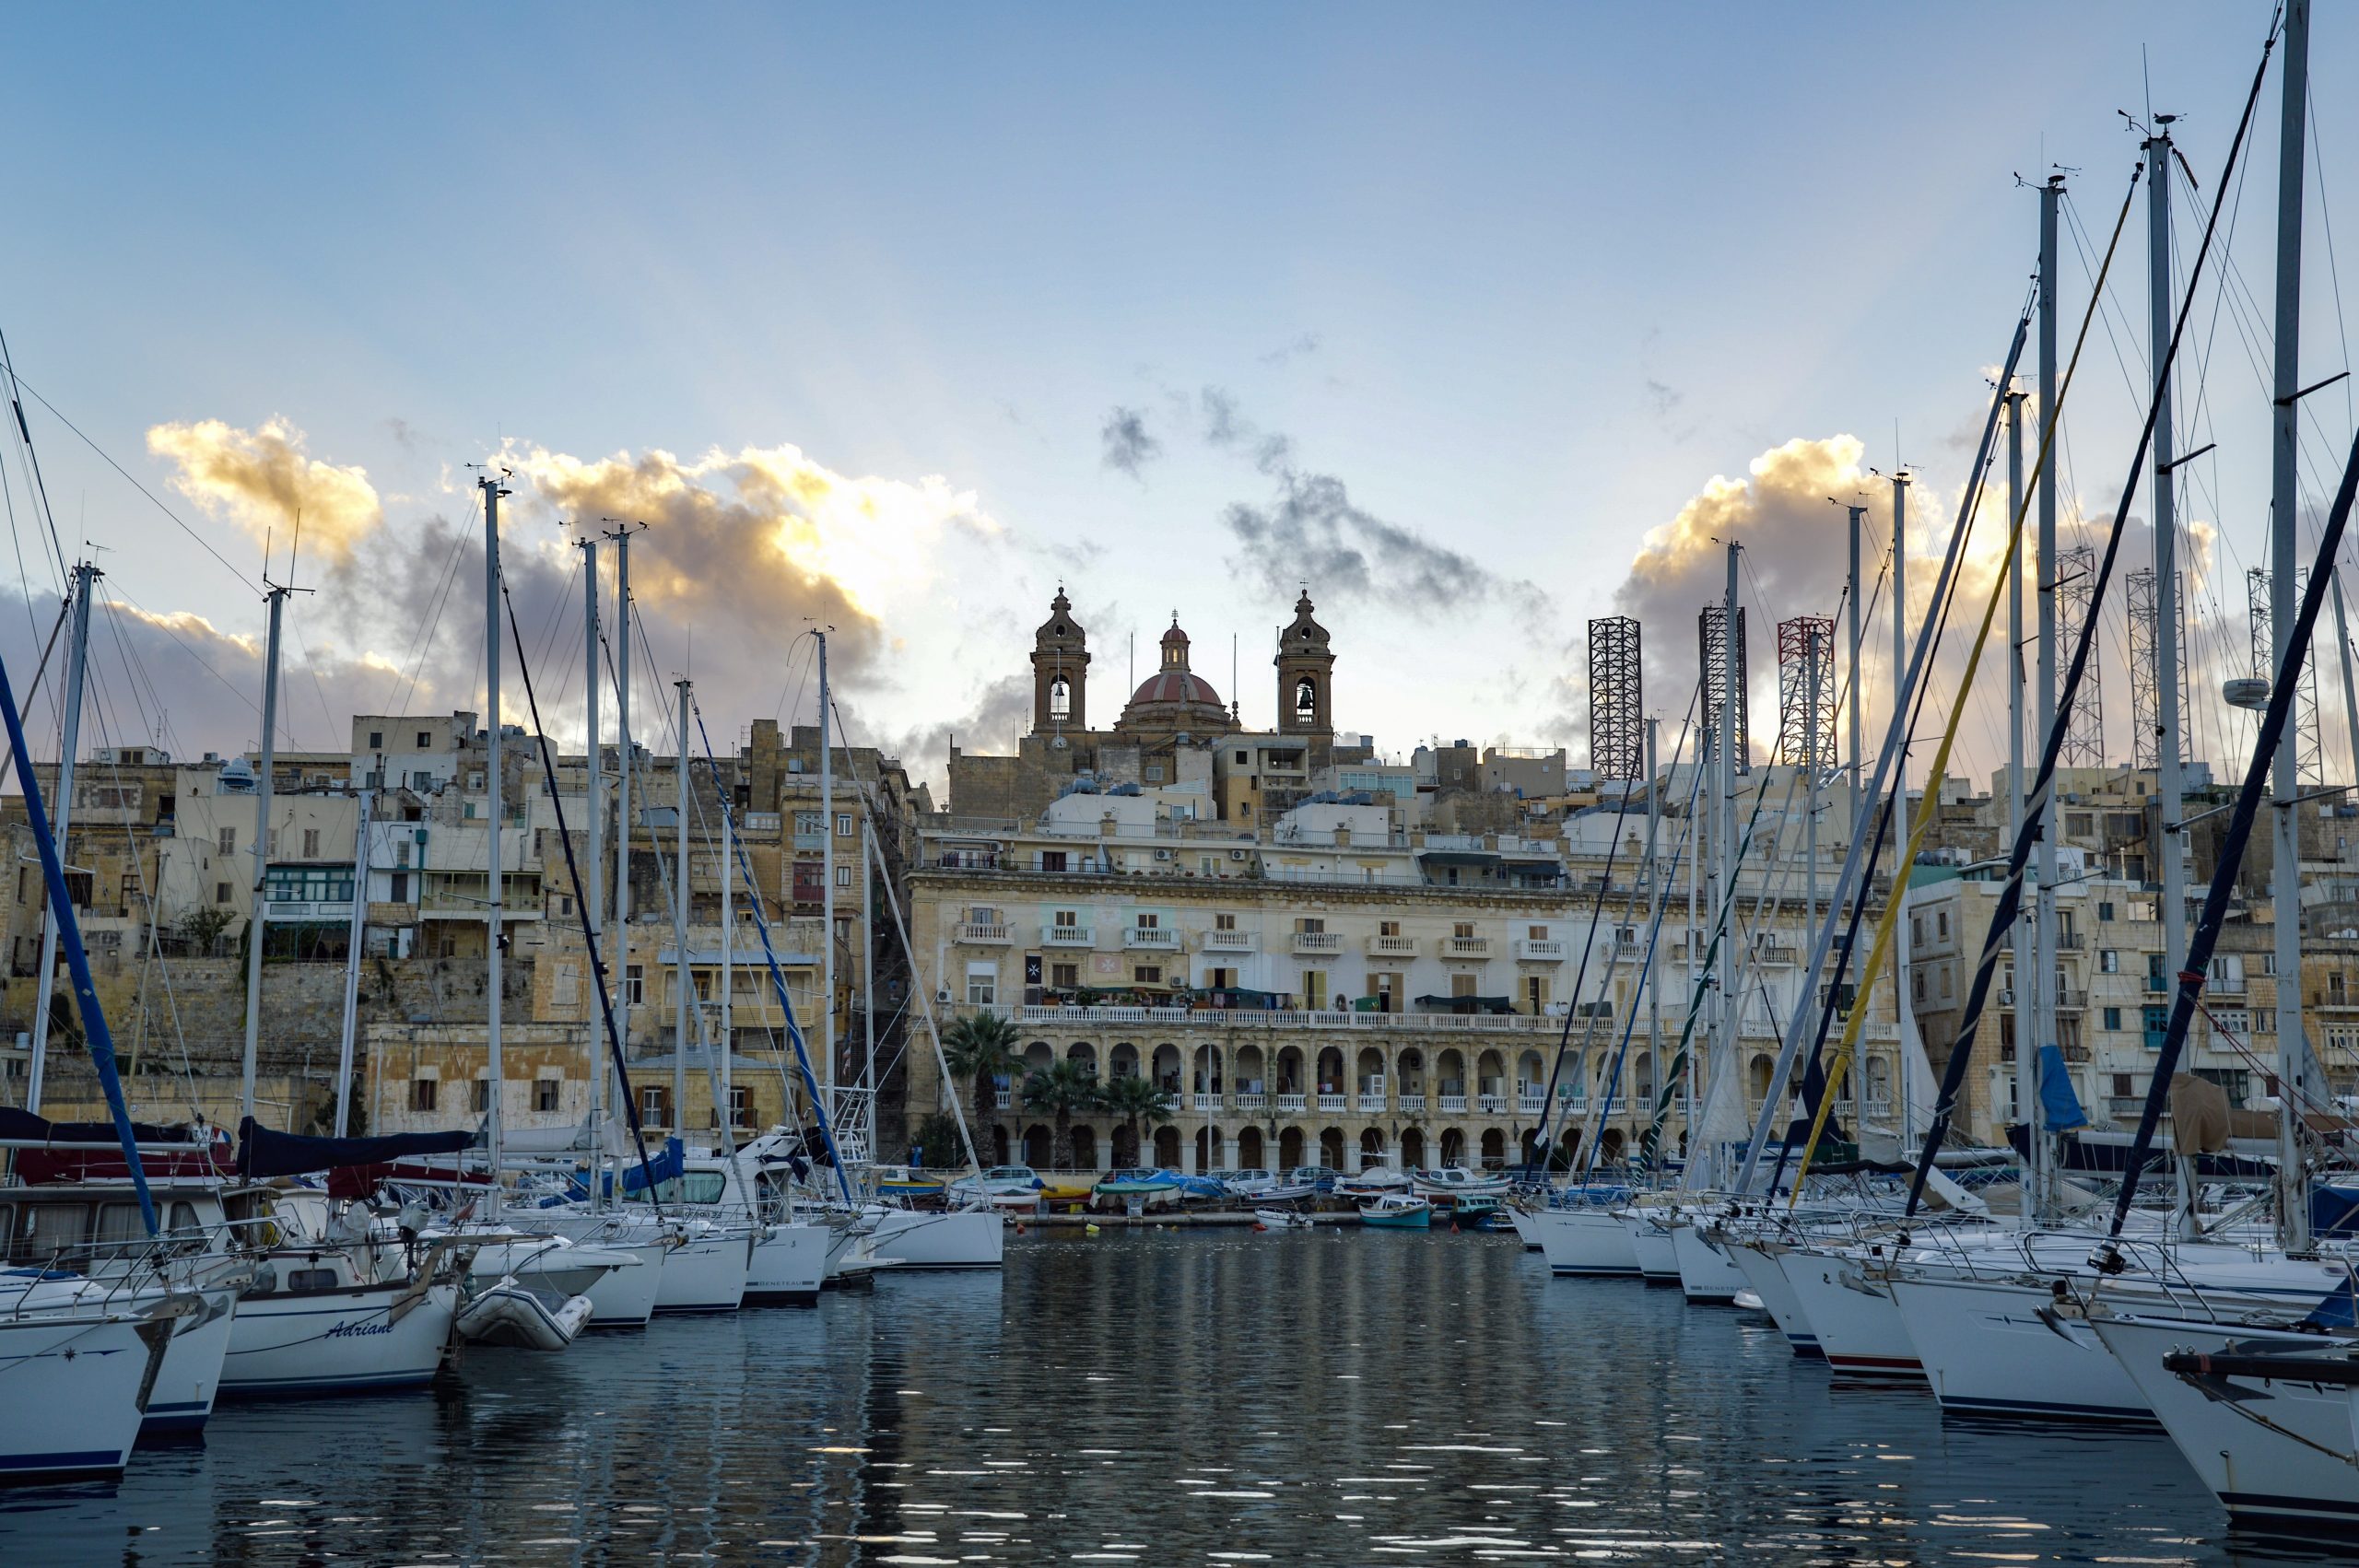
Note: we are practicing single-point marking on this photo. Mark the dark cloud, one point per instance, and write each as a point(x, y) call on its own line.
point(1313, 532)
point(1126, 443)
point(1664, 398)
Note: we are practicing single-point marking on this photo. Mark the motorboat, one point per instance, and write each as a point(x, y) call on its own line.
point(1456, 1181)
point(1151, 1190)
point(1011, 1187)
point(524, 1314)
point(1376, 1181)
point(1397, 1211)
point(1282, 1220)
point(906, 1183)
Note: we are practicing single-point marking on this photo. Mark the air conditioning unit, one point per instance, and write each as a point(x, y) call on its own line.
point(1236, 854)
point(1163, 854)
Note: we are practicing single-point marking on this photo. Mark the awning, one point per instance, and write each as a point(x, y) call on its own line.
point(1468, 1004)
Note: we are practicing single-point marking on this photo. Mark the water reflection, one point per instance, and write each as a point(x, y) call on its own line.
point(1298, 1398)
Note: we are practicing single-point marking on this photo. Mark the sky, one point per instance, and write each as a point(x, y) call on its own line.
point(1480, 321)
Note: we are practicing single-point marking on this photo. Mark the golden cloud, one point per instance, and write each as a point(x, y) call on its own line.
point(261, 480)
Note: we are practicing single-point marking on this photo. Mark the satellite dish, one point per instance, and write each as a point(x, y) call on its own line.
point(2248, 691)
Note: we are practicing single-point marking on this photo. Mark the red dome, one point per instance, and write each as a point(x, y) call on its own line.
point(1176, 685)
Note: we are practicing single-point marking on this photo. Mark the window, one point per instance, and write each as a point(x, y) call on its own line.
point(1224, 922)
point(655, 1104)
point(807, 824)
point(1537, 933)
point(1243, 757)
point(2155, 1022)
point(982, 984)
point(634, 985)
point(1147, 975)
point(2108, 961)
point(843, 824)
point(1314, 989)
point(421, 780)
point(2104, 909)
point(228, 841)
point(483, 1095)
point(843, 876)
point(1941, 923)
point(1388, 928)
point(1064, 977)
point(1147, 922)
point(376, 739)
point(310, 842)
point(544, 1093)
point(1310, 925)
point(401, 852)
point(422, 1092)
point(425, 739)
point(220, 893)
point(741, 1105)
point(2155, 982)
point(1220, 979)
point(1067, 919)
point(1464, 928)
point(401, 887)
point(1916, 930)
point(2113, 1018)
point(1462, 985)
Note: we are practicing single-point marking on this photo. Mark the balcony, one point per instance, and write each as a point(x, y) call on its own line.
point(1151, 938)
point(1393, 947)
point(1531, 1104)
point(1317, 942)
point(1069, 936)
point(1371, 1105)
point(1247, 1100)
point(1412, 1104)
point(1294, 1102)
point(1533, 950)
point(1004, 1098)
point(2072, 1000)
point(1204, 1102)
point(984, 933)
point(284, 911)
point(1466, 947)
point(1452, 1104)
point(1491, 1104)
point(1330, 1102)
point(1228, 941)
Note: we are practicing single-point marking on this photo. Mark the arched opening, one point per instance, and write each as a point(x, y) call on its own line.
point(1494, 1149)
point(1879, 1085)
point(1167, 1068)
point(1569, 1149)
point(1305, 700)
point(1370, 1079)
point(1371, 1148)
point(1490, 1081)
point(1757, 1074)
point(1207, 1070)
point(1040, 1142)
point(1610, 1146)
point(1290, 1070)
point(1084, 1148)
point(1642, 1081)
point(1449, 1080)
point(1167, 1148)
point(1252, 1073)
point(1412, 1072)
point(1412, 1148)
point(1248, 1148)
point(1330, 1147)
point(1037, 1055)
point(1331, 1070)
point(1289, 1148)
point(1084, 1053)
point(998, 1146)
point(1209, 1144)
point(1528, 1152)
point(1531, 1076)
point(1060, 700)
point(1453, 1146)
point(1122, 1061)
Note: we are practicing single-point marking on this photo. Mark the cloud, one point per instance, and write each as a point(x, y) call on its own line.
point(1299, 345)
point(1126, 443)
point(1662, 397)
point(263, 481)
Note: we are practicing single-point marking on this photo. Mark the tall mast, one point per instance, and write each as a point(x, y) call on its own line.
point(357, 930)
point(593, 886)
point(682, 976)
point(61, 813)
point(827, 887)
point(619, 942)
point(254, 924)
point(2292, 1052)
point(728, 973)
point(870, 868)
point(1654, 962)
point(2041, 979)
point(1858, 686)
point(494, 916)
point(1724, 1078)
point(2019, 944)
point(2170, 746)
point(1903, 1013)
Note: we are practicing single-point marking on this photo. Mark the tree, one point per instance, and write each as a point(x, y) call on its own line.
point(1063, 1090)
point(938, 1138)
point(202, 926)
point(982, 1045)
point(1135, 1100)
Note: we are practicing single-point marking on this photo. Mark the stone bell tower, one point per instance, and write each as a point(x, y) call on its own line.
point(1306, 676)
point(1060, 672)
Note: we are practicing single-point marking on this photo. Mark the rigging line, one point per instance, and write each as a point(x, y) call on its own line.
point(24, 577)
point(311, 666)
point(2107, 307)
point(32, 457)
point(402, 688)
point(203, 543)
point(149, 618)
point(9, 762)
point(2326, 218)
point(2002, 919)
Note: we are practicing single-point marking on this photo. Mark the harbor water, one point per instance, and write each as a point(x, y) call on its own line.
point(1340, 1397)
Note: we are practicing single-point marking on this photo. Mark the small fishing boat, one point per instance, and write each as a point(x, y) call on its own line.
point(1002, 1186)
point(1282, 1219)
point(1377, 1181)
point(527, 1316)
point(1398, 1210)
point(1456, 1181)
point(1067, 1186)
point(1153, 1189)
point(1309, 1179)
point(906, 1183)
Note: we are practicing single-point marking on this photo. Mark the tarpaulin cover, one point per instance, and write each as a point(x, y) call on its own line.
point(37, 1167)
point(2334, 1212)
point(262, 1153)
point(2059, 1106)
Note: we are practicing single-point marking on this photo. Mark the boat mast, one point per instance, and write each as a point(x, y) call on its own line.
point(2170, 747)
point(2041, 981)
point(619, 945)
point(1903, 1013)
point(1723, 1079)
point(728, 972)
point(871, 867)
point(2019, 940)
point(826, 888)
point(681, 974)
point(76, 656)
point(2293, 1052)
point(254, 923)
point(1653, 977)
point(494, 917)
point(594, 787)
point(352, 965)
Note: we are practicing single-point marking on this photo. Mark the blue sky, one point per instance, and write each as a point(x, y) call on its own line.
point(1522, 279)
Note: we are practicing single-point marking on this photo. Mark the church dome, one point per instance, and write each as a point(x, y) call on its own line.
point(1177, 685)
point(1174, 698)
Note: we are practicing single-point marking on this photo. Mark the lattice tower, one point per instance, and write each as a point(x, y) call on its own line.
point(1806, 692)
point(1617, 722)
point(1713, 645)
point(2309, 761)
point(2076, 576)
point(2145, 671)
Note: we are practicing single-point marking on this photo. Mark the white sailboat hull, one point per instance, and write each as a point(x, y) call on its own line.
point(351, 1339)
point(1578, 1242)
point(2292, 1476)
point(72, 1383)
point(789, 1266)
point(706, 1274)
point(1987, 1351)
point(1859, 1331)
point(1706, 1274)
point(625, 1298)
point(190, 1379)
point(1767, 1280)
point(1650, 1244)
point(962, 1238)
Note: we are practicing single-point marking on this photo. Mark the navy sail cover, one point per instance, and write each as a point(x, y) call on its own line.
point(262, 1153)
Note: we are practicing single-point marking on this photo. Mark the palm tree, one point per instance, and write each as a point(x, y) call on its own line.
point(982, 1045)
point(1064, 1090)
point(1136, 1099)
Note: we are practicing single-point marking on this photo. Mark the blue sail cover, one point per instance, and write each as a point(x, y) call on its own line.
point(2059, 1108)
point(262, 1153)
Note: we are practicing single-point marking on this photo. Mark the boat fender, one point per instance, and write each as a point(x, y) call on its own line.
point(1089, 1230)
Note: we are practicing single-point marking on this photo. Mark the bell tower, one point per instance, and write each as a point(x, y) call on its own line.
point(1306, 676)
point(1060, 671)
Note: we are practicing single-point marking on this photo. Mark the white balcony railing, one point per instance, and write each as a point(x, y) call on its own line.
point(1294, 1102)
point(1318, 942)
point(1412, 1105)
point(1467, 947)
point(1372, 1104)
point(1531, 1104)
point(1327, 1019)
point(1532, 950)
point(1453, 1104)
point(985, 931)
point(1228, 941)
point(1247, 1100)
point(1069, 936)
point(1004, 1098)
point(1392, 946)
point(1330, 1102)
point(1205, 1102)
point(1155, 939)
point(1491, 1104)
